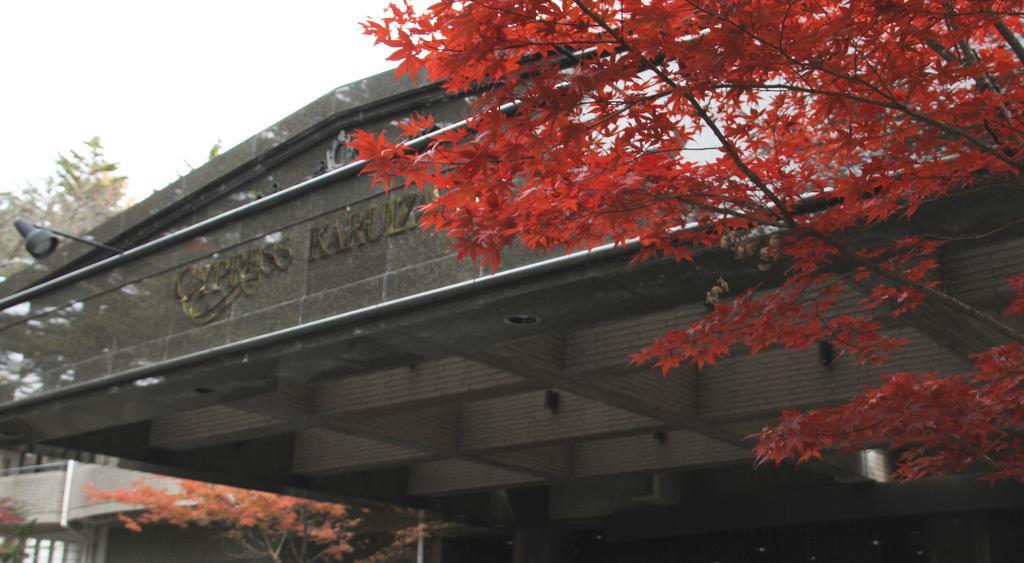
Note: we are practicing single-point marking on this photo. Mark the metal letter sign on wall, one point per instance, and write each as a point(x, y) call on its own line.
point(340, 154)
point(355, 228)
point(207, 289)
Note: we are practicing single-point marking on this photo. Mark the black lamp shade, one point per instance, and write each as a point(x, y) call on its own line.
point(39, 242)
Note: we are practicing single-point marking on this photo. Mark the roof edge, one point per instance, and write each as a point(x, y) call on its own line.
point(141, 221)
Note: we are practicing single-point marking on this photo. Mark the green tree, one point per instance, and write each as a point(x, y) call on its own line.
point(81, 193)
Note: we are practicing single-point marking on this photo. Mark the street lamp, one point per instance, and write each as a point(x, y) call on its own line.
point(41, 241)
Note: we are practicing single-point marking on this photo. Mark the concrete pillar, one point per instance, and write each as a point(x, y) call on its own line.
point(433, 550)
point(96, 546)
point(958, 539)
point(540, 546)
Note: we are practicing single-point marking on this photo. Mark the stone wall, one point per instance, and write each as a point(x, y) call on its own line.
point(332, 250)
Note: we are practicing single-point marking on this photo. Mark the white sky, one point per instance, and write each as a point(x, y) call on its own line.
point(160, 82)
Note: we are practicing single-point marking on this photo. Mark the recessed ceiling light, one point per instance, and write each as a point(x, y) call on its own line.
point(522, 320)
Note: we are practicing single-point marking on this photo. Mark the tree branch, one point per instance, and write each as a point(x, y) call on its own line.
point(268, 546)
point(280, 544)
point(897, 104)
point(989, 321)
point(1011, 40)
point(726, 143)
point(995, 465)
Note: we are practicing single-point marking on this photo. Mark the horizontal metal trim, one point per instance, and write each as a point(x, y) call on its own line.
point(345, 172)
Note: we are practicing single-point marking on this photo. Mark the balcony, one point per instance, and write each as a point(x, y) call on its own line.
point(53, 494)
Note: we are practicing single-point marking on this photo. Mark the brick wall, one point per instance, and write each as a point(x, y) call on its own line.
point(978, 274)
point(450, 476)
point(763, 384)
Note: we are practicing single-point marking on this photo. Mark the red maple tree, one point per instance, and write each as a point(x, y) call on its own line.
point(10, 515)
point(782, 130)
point(14, 530)
point(280, 528)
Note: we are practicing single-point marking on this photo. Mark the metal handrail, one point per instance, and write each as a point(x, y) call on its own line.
point(349, 170)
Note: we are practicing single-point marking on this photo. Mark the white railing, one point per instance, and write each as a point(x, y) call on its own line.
point(39, 468)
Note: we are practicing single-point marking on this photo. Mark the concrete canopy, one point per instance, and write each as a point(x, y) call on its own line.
point(319, 343)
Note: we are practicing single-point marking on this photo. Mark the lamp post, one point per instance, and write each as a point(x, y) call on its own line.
point(41, 241)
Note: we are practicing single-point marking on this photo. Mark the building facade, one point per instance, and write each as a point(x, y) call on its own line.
point(275, 323)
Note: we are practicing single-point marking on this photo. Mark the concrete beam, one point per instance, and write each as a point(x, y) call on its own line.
point(212, 425)
point(476, 412)
point(423, 385)
point(665, 400)
point(671, 402)
point(436, 432)
point(452, 476)
point(679, 449)
point(413, 388)
point(320, 451)
point(524, 421)
point(433, 429)
point(556, 460)
point(385, 440)
point(624, 455)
